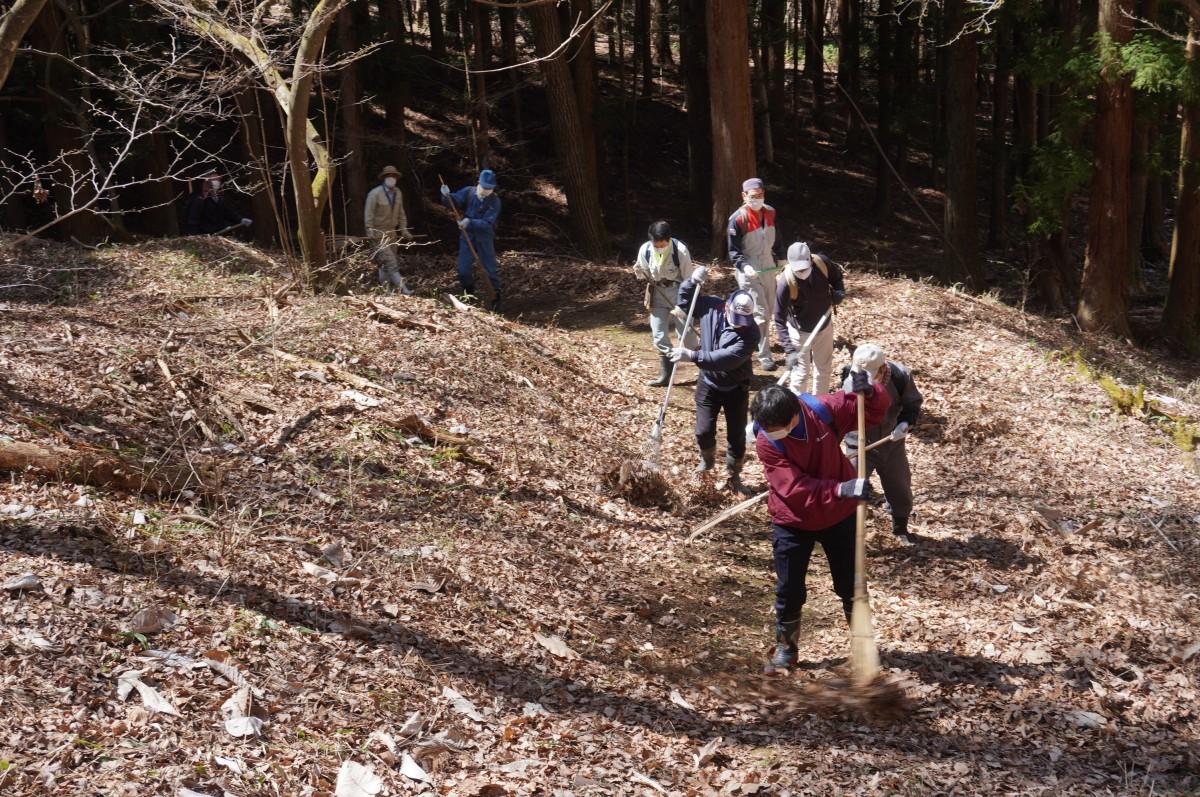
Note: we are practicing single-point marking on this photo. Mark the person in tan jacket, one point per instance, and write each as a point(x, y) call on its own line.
point(386, 225)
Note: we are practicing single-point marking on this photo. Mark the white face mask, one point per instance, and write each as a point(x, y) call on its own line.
point(782, 433)
point(756, 204)
point(216, 184)
point(661, 249)
point(390, 182)
point(484, 193)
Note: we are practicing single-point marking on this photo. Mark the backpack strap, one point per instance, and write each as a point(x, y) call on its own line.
point(675, 253)
point(820, 262)
point(793, 286)
point(819, 409)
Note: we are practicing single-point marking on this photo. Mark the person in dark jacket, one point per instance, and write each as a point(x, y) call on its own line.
point(809, 287)
point(728, 335)
point(813, 492)
point(480, 208)
point(890, 460)
point(208, 212)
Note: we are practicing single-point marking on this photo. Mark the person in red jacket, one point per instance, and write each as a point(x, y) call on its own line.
point(813, 492)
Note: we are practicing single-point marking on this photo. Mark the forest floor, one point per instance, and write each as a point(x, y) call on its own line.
point(422, 573)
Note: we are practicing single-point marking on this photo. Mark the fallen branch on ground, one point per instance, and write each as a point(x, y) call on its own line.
point(100, 469)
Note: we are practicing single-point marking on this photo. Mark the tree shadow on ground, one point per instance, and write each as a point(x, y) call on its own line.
point(1000, 554)
point(915, 734)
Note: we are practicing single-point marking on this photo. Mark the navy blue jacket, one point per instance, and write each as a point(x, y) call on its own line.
point(725, 351)
point(481, 214)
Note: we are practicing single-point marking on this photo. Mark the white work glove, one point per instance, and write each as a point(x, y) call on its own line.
point(462, 223)
point(750, 271)
point(445, 190)
point(683, 355)
point(699, 273)
point(246, 222)
point(900, 432)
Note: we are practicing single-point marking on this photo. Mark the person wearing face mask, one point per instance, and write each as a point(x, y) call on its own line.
point(728, 335)
point(479, 208)
point(662, 261)
point(809, 286)
point(756, 252)
point(812, 494)
point(208, 212)
point(386, 226)
point(890, 460)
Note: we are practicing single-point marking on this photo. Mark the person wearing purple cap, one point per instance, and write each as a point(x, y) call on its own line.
point(756, 252)
point(480, 207)
point(728, 335)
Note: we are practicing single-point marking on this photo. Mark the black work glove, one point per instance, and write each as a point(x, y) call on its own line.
point(858, 489)
point(793, 359)
point(836, 297)
point(861, 382)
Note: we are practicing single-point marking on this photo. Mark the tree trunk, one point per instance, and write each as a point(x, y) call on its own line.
point(1102, 294)
point(774, 55)
point(1001, 99)
point(480, 127)
point(14, 24)
point(1181, 315)
point(350, 109)
point(66, 133)
point(1152, 243)
point(392, 62)
point(100, 469)
point(662, 33)
point(254, 145)
point(763, 114)
point(814, 56)
point(583, 72)
point(641, 44)
point(848, 74)
point(577, 160)
point(885, 78)
point(1143, 120)
point(732, 116)
point(693, 54)
point(960, 263)
point(508, 54)
point(437, 35)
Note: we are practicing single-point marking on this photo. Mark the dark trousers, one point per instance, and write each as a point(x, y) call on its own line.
point(890, 460)
point(710, 402)
point(792, 549)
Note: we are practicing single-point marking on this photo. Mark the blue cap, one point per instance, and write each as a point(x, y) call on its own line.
point(741, 308)
point(487, 178)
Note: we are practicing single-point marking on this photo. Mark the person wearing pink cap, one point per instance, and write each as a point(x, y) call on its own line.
point(756, 253)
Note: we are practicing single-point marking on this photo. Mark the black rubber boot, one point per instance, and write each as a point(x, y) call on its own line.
point(497, 304)
point(664, 372)
point(900, 529)
point(848, 610)
point(733, 466)
point(708, 458)
point(787, 652)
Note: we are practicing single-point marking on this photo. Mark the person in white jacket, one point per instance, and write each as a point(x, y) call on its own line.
point(663, 262)
point(386, 225)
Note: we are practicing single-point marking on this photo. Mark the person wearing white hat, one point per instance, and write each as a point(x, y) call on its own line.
point(889, 460)
point(809, 286)
point(728, 336)
point(386, 226)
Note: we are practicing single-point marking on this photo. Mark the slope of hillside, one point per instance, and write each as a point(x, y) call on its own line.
point(395, 550)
